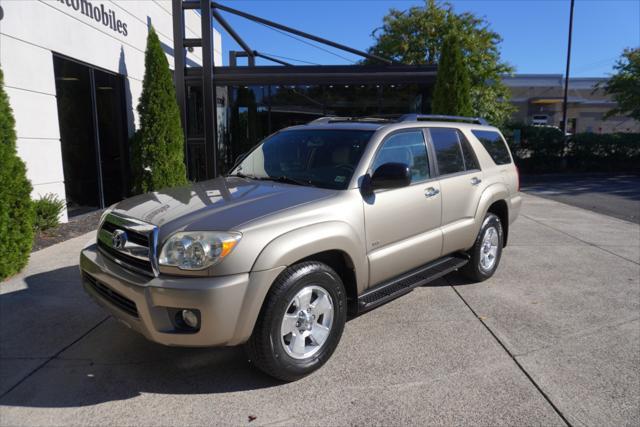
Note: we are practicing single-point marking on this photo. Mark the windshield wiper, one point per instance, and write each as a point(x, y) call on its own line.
point(241, 175)
point(287, 180)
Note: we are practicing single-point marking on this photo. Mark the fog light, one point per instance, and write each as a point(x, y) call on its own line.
point(190, 318)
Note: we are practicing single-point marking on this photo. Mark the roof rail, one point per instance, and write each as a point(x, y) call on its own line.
point(334, 119)
point(434, 117)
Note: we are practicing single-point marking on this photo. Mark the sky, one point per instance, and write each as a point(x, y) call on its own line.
point(534, 32)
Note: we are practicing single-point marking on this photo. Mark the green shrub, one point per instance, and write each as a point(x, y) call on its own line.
point(16, 208)
point(48, 210)
point(613, 152)
point(158, 146)
point(539, 149)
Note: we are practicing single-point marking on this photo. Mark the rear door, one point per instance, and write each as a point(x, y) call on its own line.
point(497, 148)
point(403, 225)
point(461, 182)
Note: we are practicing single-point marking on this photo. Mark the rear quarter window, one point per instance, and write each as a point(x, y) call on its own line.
point(495, 146)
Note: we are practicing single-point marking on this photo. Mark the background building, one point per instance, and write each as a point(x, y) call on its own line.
point(73, 71)
point(538, 98)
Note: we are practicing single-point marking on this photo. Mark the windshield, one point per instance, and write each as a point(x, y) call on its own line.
point(320, 158)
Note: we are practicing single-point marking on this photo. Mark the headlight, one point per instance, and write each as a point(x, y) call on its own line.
point(197, 250)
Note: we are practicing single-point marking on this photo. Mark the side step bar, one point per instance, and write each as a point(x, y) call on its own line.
point(403, 284)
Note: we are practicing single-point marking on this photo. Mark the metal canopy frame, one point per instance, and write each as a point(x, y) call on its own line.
point(285, 72)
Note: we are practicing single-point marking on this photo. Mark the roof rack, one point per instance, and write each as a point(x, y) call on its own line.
point(435, 117)
point(333, 119)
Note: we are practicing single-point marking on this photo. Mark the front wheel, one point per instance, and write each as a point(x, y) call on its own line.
point(300, 323)
point(486, 251)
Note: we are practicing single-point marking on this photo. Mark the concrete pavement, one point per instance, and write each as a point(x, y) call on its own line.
point(552, 339)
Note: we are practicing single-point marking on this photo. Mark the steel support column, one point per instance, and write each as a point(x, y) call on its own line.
point(208, 89)
point(178, 67)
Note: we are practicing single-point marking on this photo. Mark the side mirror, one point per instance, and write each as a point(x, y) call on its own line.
point(391, 175)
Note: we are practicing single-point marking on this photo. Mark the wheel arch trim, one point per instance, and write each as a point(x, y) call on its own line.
point(493, 193)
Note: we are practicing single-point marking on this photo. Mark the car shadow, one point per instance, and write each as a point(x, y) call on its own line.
point(85, 357)
point(451, 279)
point(70, 353)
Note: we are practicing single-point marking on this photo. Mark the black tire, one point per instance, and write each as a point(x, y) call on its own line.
point(473, 270)
point(265, 347)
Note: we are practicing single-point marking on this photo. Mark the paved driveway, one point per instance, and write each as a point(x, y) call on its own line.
point(609, 194)
point(552, 339)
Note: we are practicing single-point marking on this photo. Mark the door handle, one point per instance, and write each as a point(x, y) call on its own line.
point(475, 180)
point(431, 192)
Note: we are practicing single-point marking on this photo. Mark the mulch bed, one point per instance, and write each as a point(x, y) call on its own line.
point(76, 226)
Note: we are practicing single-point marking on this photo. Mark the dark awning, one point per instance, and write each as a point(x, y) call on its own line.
point(318, 74)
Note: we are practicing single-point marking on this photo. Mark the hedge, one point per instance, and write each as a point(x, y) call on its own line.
point(539, 149)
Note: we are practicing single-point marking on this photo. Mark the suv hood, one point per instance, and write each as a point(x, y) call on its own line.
point(219, 204)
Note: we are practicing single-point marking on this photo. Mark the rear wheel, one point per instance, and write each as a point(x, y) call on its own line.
point(486, 251)
point(300, 323)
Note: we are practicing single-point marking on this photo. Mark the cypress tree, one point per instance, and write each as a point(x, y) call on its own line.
point(16, 207)
point(452, 93)
point(158, 146)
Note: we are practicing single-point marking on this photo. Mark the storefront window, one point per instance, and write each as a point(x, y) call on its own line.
point(248, 114)
point(352, 100)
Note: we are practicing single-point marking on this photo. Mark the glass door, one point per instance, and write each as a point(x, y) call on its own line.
point(93, 133)
point(77, 136)
point(112, 135)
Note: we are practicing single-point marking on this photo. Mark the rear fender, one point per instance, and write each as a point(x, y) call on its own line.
point(491, 194)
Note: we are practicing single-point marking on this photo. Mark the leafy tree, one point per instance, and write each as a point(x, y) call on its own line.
point(16, 208)
point(624, 85)
point(158, 146)
point(452, 92)
point(416, 36)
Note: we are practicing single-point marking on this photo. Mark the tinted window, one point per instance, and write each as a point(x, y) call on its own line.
point(324, 158)
point(470, 160)
point(495, 146)
point(408, 148)
point(448, 153)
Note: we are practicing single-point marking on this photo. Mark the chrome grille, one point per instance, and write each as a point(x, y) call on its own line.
point(130, 243)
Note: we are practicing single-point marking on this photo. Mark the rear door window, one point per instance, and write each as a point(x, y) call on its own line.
point(495, 146)
point(470, 160)
point(448, 152)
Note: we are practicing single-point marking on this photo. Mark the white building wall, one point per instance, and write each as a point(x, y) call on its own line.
point(32, 30)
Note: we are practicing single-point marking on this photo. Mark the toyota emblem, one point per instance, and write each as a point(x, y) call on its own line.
point(119, 239)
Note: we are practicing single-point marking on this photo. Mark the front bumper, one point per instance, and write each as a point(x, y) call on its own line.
point(228, 305)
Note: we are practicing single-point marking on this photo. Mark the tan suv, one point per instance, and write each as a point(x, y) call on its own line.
point(316, 223)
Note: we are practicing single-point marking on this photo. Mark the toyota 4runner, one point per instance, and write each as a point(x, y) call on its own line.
point(316, 223)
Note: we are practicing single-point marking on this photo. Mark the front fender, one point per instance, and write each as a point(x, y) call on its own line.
point(303, 242)
point(286, 250)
